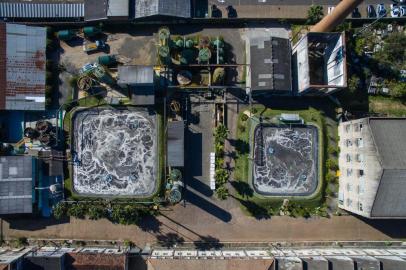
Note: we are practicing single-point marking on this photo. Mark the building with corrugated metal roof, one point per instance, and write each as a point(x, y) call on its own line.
point(41, 10)
point(174, 8)
point(16, 184)
point(22, 67)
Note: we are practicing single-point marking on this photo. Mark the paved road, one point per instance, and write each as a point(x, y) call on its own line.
point(194, 223)
point(293, 9)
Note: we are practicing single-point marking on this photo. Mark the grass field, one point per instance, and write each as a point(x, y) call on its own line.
point(387, 106)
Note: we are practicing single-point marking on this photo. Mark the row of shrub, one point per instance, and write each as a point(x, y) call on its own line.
point(221, 174)
point(125, 214)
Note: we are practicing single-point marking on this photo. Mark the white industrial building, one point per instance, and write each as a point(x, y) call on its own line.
point(373, 167)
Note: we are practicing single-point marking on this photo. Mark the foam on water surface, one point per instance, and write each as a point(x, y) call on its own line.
point(115, 152)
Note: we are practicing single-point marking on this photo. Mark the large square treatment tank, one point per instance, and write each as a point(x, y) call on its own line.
point(114, 152)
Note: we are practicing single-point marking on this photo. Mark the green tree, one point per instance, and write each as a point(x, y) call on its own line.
point(394, 48)
point(353, 84)
point(314, 14)
point(59, 210)
point(97, 212)
point(78, 210)
point(398, 89)
point(221, 132)
point(221, 176)
point(222, 193)
point(332, 164)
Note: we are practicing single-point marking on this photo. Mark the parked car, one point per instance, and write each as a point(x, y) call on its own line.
point(394, 10)
point(380, 10)
point(87, 68)
point(371, 11)
point(356, 13)
point(402, 11)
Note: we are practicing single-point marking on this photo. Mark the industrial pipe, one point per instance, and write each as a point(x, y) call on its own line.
point(336, 17)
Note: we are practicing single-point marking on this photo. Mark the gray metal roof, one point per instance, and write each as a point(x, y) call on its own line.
point(389, 136)
point(176, 143)
point(15, 184)
point(392, 262)
point(118, 8)
point(390, 197)
point(142, 95)
point(289, 263)
point(135, 75)
point(271, 65)
point(366, 262)
point(341, 263)
point(95, 10)
point(315, 263)
point(175, 8)
point(39, 10)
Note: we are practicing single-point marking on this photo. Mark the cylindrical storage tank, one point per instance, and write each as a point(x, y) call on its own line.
point(43, 126)
point(218, 75)
point(184, 77)
point(179, 43)
point(217, 43)
point(106, 60)
point(91, 31)
point(187, 56)
point(204, 55)
point(175, 175)
point(163, 51)
point(174, 194)
point(30, 133)
point(66, 34)
point(189, 43)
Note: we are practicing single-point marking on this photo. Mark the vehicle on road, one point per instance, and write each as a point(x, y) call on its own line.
point(380, 10)
point(356, 13)
point(93, 46)
point(402, 11)
point(371, 11)
point(394, 10)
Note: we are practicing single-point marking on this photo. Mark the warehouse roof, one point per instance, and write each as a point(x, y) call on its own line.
point(388, 136)
point(41, 10)
point(176, 143)
point(118, 8)
point(15, 184)
point(234, 264)
point(175, 8)
point(135, 75)
point(94, 261)
point(271, 64)
point(96, 10)
point(22, 67)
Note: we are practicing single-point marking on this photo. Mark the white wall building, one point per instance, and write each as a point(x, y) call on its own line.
point(373, 167)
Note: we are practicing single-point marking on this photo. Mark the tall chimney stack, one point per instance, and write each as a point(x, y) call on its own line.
point(336, 17)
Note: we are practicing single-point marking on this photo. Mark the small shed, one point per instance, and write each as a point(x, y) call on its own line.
point(176, 143)
point(140, 82)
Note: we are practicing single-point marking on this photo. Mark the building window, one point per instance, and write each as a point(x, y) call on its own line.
point(349, 172)
point(359, 142)
point(360, 206)
point(349, 187)
point(360, 127)
point(349, 202)
point(348, 143)
point(347, 128)
point(348, 157)
point(360, 189)
point(361, 173)
point(359, 158)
